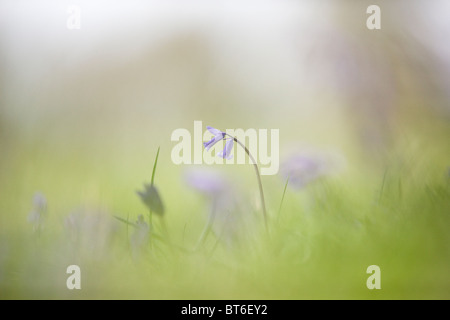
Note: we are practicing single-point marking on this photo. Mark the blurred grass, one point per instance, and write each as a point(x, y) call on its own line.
point(83, 113)
point(395, 215)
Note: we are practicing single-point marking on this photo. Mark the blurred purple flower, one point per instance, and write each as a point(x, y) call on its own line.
point(218, 136)
point(36, 216)
point(39, 201)
point(304, 168)
point(206, 181)
point(224, 217)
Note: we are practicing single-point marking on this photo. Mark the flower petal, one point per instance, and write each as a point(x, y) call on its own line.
point(209, 143)
point(226, 153)
point(214, 131)
point(213, 141)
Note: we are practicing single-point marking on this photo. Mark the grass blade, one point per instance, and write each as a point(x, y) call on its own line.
point(154, 166)
point(125, 221)
point(282, 198)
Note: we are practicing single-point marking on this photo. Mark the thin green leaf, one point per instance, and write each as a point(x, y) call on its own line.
point(282, 198)
point(154, 166)
point(125, 221)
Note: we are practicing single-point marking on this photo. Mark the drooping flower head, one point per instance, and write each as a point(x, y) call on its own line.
point(218, 136)
point(226, 154)
point(150, 197)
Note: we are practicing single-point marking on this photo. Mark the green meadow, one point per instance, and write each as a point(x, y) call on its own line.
point(84, 112)
point(319, 245)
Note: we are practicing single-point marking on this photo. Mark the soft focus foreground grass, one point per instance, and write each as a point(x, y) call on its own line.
point(395, 216)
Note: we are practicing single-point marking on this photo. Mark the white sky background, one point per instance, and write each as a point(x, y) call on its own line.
point(35, 42)
point(32, 32)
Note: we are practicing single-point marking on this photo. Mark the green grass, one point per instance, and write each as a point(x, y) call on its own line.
point(395, 216)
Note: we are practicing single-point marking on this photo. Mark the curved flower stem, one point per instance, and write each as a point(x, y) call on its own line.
point(258, 176)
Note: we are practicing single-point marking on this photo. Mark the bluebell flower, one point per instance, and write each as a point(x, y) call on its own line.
point(218, 136)
point(226, 154)
point(150, 197)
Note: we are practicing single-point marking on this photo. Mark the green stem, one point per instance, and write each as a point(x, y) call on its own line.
point(150, 220)
point(258, 176)
point(150, 228)
point(205, 232)
point(128, 238)
point(207, 227)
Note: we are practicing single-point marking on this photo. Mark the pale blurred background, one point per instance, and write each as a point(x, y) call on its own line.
point(113, 91)
point(82, 112)
point(199, 60)
point(137, 70)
